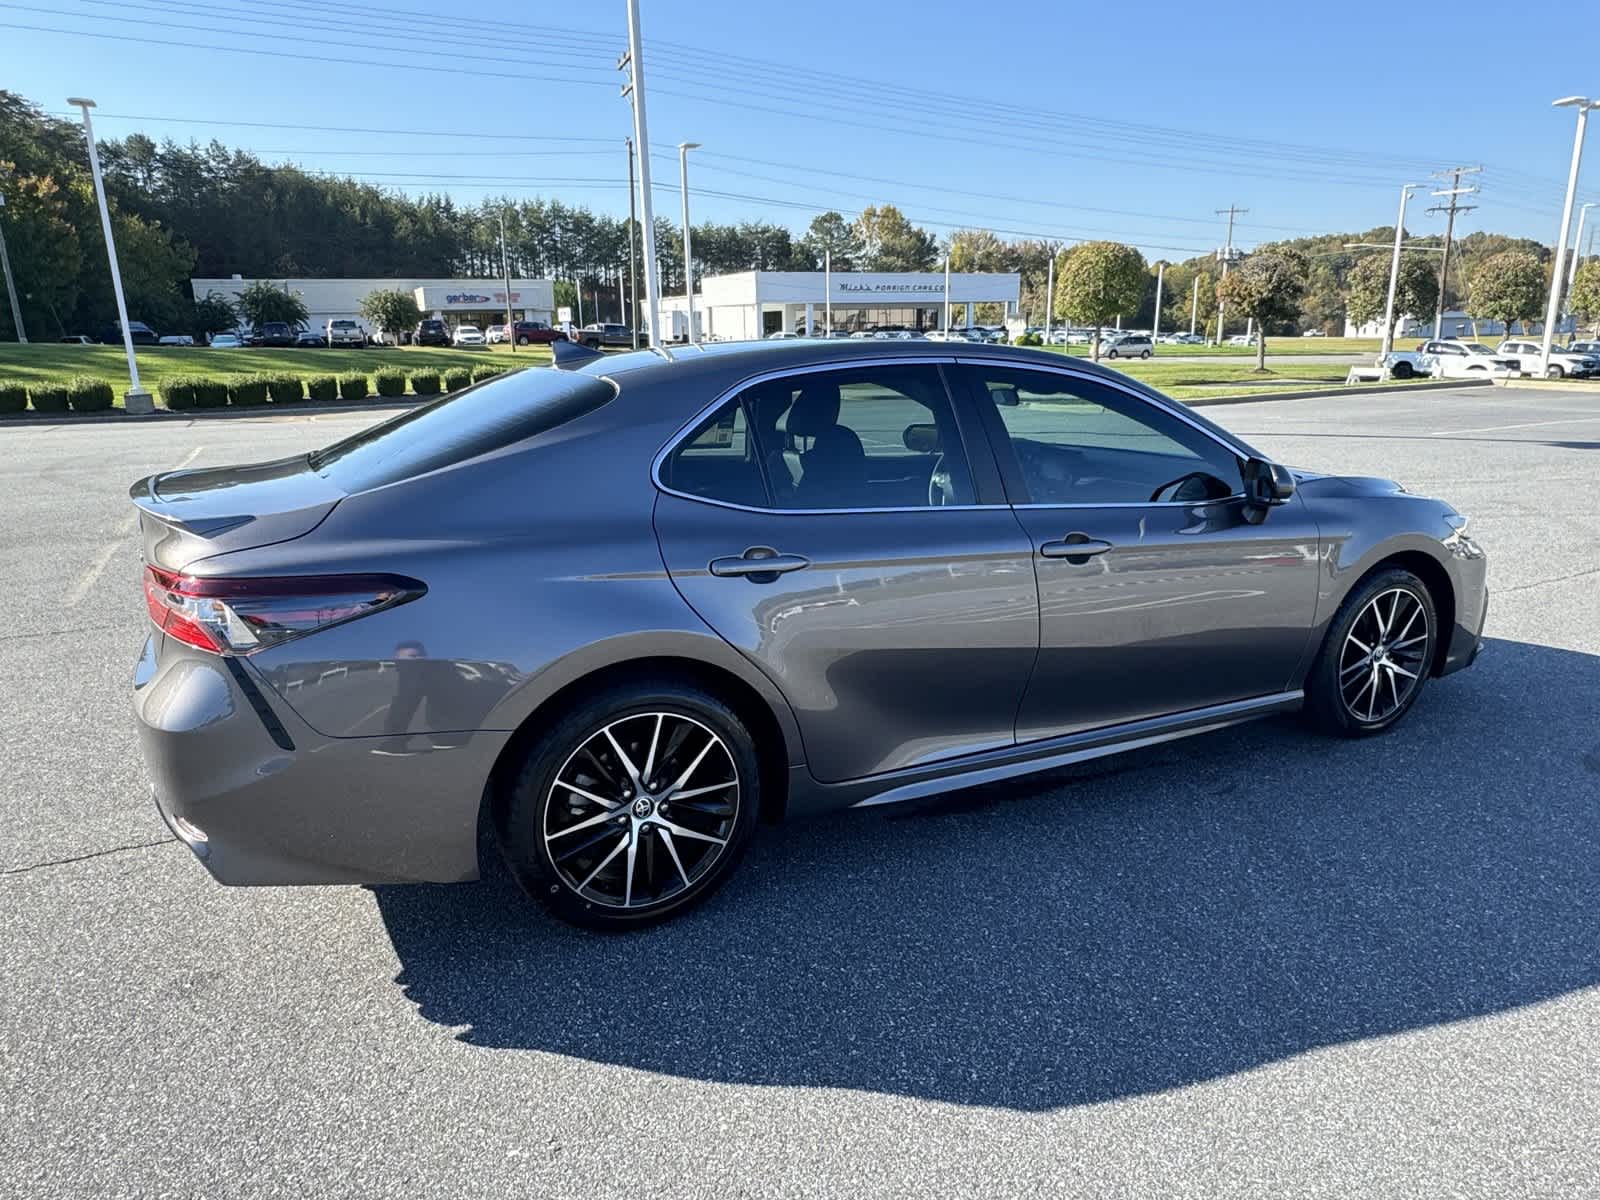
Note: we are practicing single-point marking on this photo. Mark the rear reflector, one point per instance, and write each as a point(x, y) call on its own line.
point(243, 614)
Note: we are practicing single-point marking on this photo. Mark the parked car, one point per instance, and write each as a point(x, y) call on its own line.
point(1188, 339)
point(175, 339)
point(1313, 333)
point(138, 332)
point(1563, 362)
point(781, 335)
point(273, 334)
point(345, 332)
point(1242, 339)
point(77, 339)
point(1128, 345)
point(430, 331)
point(752, 618)
point(602, 334)
point(495, 335)
point(1585, 348)
point(310, 339)
point(1450, 359)
point(536, 333)
point(469, 336)
point(226, 341)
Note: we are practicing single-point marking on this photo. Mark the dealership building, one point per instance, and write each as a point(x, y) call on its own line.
point(753, 304)
point(472, 301)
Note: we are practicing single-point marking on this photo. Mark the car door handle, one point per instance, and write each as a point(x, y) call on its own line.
point(757, 561)
point(1075, 548)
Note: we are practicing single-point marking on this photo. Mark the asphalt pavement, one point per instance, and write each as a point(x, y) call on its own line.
point(1257, 963)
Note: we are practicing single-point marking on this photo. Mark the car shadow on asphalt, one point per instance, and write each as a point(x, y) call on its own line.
point(1152, 920)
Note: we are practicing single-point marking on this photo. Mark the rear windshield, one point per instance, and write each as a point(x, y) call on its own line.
point(483, 418)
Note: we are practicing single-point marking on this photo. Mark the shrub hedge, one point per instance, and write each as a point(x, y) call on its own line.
point(456, 378)
point(211, 393)
point(486, 371)
point(177, 392)
point(391, 381)
point(247, 390)
point(13, 397)
point(285, 389)
point(324, 389)
point(353, 386)
point(425, 382)
point(85, 393)
point(48, 397)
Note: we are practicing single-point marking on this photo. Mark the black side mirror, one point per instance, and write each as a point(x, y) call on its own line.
point(1266, 485)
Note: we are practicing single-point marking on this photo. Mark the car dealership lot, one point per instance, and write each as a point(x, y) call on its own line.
point(1253, 963)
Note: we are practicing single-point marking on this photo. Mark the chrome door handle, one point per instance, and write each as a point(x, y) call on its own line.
point(757, 561)
point(1075, 548)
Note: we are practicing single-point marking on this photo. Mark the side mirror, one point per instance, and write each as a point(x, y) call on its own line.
point(1266, 485)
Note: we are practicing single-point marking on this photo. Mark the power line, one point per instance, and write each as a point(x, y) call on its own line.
point(1455, 191)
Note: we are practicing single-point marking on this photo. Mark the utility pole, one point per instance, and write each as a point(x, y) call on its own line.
point(1453, 191)
point(633, 251)
point(1394, 278)
point(1577, 238)
point(1155, 329)
point(505, 267)
point(1226, 254)
point(633, 61)
point(11, 286)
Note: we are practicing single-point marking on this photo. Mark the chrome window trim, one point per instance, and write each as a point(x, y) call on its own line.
point(700, 415)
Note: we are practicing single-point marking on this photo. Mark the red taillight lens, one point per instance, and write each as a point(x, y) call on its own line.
point(243, 614)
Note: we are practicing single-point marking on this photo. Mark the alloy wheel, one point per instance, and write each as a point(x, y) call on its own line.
point(642, 810)
point(1384, 655)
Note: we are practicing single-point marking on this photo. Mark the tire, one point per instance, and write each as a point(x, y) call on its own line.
point(1402, 370)
point(1554, 371)
point(680, 853)
point(1111, 353)
point(522, 339)
point(1144, 354)
point(1354, 709)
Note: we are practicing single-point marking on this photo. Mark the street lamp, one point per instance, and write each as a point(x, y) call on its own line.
point(1577, 240)
point(137, 400)
point(1583, 104)
point(688, 254)
point(1394, 276)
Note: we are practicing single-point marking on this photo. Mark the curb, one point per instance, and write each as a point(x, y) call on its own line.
point(1550, 385)
point(164, 415)
point(1318, 393)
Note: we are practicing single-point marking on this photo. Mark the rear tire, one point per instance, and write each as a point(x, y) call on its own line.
point(1374, 662)
point(1145, 354)
point(598, 841)
point(1554, 371)
point(522, 340)
point(1402, 370)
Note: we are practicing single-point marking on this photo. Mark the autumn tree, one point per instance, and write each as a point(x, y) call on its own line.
point(1267, 287)
point(1507, 287)
point(1416, 289)
point(889, 242)
point(1097, 280)
point(1584, 298)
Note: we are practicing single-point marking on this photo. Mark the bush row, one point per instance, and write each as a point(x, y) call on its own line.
point(179, 392)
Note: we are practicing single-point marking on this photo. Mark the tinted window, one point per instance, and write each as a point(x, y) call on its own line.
point(475, 421)
point(718, 461)
point(861, 437)
point(1080, 442)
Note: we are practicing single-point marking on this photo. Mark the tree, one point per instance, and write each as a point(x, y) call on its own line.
point(265, 301)
point(1584, 299)
point(1267, 286)
point(214, 314)
point(1416, 289)
point(1507, 287)
point(1097, 280)
point(46, 254)
point(889, 242)
point(390, 311)
point(830, 233)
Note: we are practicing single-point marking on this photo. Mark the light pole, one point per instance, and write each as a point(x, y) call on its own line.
point(827, 293)
point(1394, 275)
point(1049, 296)
point(688, 253)
point(633, 248)
point(136, 400)
point(947, 297)
point(1577, 240)
point(1161, 274)
point(1583, 104)
point(1194, 306)
point(11, 287)
point(505, 266)
point(634, 61)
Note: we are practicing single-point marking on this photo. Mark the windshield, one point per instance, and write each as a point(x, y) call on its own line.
point(1476, 348)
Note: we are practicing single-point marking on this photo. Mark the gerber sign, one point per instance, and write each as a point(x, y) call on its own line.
point(467, 298)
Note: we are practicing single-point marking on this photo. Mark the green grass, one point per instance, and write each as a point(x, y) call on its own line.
point(54, 363)
point(1275, 345)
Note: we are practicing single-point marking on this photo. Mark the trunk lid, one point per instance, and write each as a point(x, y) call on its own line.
point(189, 515)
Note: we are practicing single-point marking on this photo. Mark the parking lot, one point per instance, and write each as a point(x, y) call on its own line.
point(1253, 963)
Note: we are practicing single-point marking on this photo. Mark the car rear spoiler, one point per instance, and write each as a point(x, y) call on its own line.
point(571, 355)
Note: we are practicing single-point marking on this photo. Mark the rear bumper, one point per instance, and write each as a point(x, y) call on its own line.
point(261, 798)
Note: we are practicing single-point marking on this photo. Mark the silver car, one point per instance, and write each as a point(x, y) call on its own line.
point(622, 611)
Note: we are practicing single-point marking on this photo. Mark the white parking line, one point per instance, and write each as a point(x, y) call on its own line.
point(1523, 425)
point(127, 525)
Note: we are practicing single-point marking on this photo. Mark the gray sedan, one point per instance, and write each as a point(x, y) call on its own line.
point(621, 612)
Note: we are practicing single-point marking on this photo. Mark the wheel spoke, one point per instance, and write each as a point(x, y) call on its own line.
point(1421, 637)
point(672, 849)
point(1359, 644)
point(1394, 666)
point(627, 887)
point(627, 840)
point(598, 819)
point(600, 800)
point(699, 791)
point(698, 759)
point(578, 849)
point(655, 740)
point(683, 831)
point(622, 757)
point(1410, 621)
point(1363, 661)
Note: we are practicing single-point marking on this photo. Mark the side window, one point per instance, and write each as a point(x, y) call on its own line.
point(860, 437)
point(718, 461)
point(1080, 442)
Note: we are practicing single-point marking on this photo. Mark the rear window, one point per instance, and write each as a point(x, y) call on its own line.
point(481, 419)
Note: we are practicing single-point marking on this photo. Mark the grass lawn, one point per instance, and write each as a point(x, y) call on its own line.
point(52, 362)
point(1275, 345)
point(1185, 381)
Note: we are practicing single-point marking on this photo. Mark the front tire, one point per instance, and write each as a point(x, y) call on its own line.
point(635, 805)
point(1554, 371)
point(1111, 353)
point(1375, 658)
point(1145, 354)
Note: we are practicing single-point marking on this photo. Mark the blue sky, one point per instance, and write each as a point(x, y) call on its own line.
point(1056, 120)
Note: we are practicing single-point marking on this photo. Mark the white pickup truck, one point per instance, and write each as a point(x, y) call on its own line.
point(1449, 359)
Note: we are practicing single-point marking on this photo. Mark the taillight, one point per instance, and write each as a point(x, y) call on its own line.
point(243, 614)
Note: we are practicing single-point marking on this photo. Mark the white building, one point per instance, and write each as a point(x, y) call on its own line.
point(752, 304)
point(477, 301)
point(1457, 324)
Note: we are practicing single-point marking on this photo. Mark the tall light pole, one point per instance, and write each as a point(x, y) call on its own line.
point(1394, 275)
point(1233, 210)
point(634, 61)
point(1161, 273)
point(1049, 296)
point(1577, 240)
point(1194, 306)
point(688, 252)
point(1583, 104)
point(136, 399)
point(11, 287)
point(633, 248)
point(505, 266)
point(947, 297)
point(827, 293)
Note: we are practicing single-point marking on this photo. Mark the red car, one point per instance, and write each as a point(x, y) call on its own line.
point(535, 333)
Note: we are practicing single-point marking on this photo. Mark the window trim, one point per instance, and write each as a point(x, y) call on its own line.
point(970, 431)
point(1010, 468)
